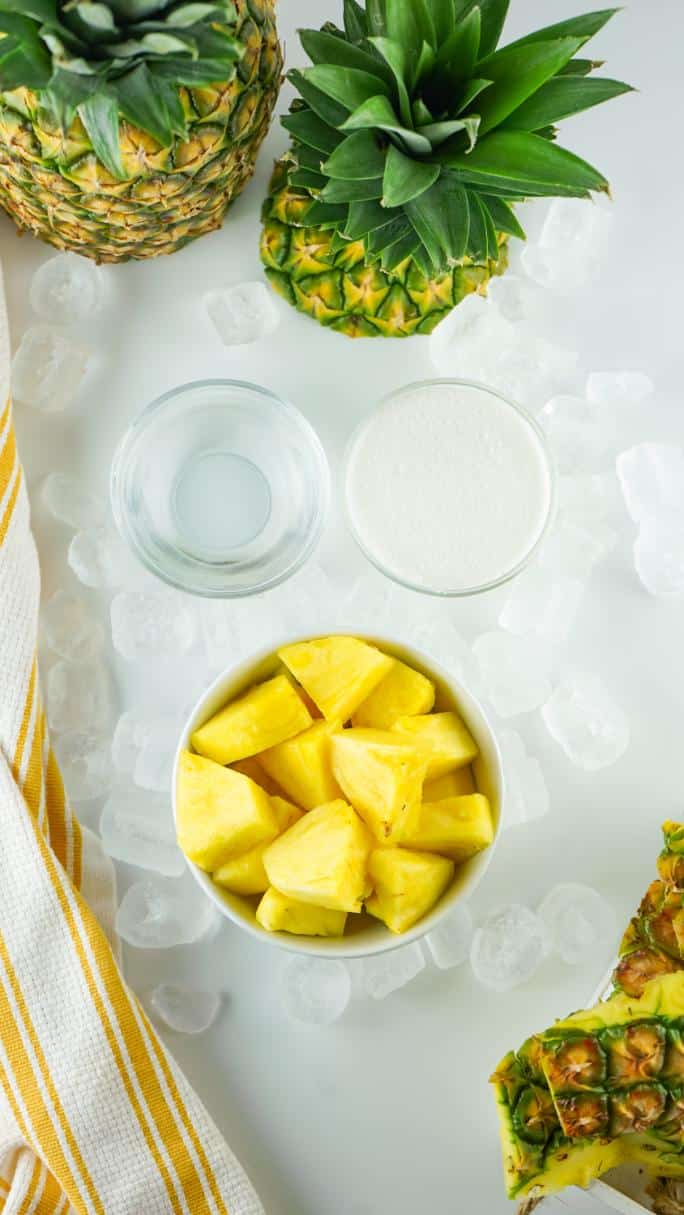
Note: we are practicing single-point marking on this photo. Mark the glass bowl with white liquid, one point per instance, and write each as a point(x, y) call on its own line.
point(221, 488)
point(449, 487)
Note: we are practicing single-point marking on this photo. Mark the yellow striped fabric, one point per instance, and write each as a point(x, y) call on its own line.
point(95, 1116)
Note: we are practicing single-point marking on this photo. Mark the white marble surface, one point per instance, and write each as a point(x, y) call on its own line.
point(389, 1110)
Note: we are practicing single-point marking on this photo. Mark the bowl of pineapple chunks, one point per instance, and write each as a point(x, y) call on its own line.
point(338, 794)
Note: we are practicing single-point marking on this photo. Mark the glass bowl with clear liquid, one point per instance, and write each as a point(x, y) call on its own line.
point(220, 488)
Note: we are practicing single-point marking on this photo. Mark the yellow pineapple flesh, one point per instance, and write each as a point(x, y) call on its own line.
point(219, 813)
point(338, 673)
point(246, 874)
point(265, 716)
point(278, 913)
point(445, 738)
point(458, 783)
point(457, 827)
point(302, 766)
point(406, 885)
point(252, 768)
point(323, 859)
point(402, 693)
point(382, 775)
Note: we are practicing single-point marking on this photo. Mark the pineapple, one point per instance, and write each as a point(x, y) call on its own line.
point(337, 672)
point(126, 129)
point(253, 769)
point(219, 813)
point(406, 885)
point(382, 775)
point(265, 716)
point(246, 874)
point(445, 739)
point(457, 827)
point(412, 139)
point(302, 766)
point(402, 693)
point(458, 783)
point(322, 859)
point(278, 913)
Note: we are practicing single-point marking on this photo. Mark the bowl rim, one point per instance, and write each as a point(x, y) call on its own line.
point(127, 445)
point(451, 382)
point(348, 948)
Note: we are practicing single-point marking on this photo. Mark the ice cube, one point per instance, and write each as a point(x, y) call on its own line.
point(513, 295)
point(69, 502)
point(439, 639)
point(78, 696)
point(182, 1009)
point(154, 764)
point(85, 764)
point(217, 624)
point(619, 387)
point(449, 943)
point(577, 920)
point(147, 625)
point(101, 560)
point(659, 554)
point(70, 630)
point(368, 603)
point(651, 477)
point(587, 723)
point(527, 796)
point(573, 550)
point(542, 602)
point(66, 289)
point(579, 436)
point(47, 369)
point(315, 991)
point(515, 672)
point(126, 741)
point(158, 913)
point(243, 314)
point(567, 254)
point(589, 498)
point(138, 829)
point(381, 974)
point(508, 948)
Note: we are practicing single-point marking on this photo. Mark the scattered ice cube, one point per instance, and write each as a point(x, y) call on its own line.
point(78, 696)
point(85, 764)
point(158, 913)
point(527, 796)
point(577, 920)
point(515, 672)
point(100, 559)
point(589, 498)
point(315, 991)
point(138, 829)
point(154, 765)
point(513, 295)
point(66, 289)
point(126, 741)
point(440, 640)
point(567, 254)
point(587, 723)
point(368, 604)
point(651, 477)
point(182, 1009)
point(243, 314)
point(217, 624)
point(659, 554)
point(47, 369)
point(380, 974)
point(573, 550)
point(69, 628)
point(508, 948)
point(542, 602)
point(256, 624)
point(69, 502)
point(449, 943)
point(147, 625)
point(619, 387)
point(579, 435)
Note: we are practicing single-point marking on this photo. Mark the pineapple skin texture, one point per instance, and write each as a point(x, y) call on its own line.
point(382, 775)
point(407, 885)
point(302, 766)
point(246, 874)
point(338, 673)
point(219, 813)
point(277, 913)
point(265, 716)
point(344, 290)
point(323, 859)
point(402, 693)
point(51, 183)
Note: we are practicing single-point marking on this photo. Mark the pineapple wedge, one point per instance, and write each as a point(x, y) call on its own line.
point(457, 827)
point(445, 738)
point(246, 874)
point(458, 783)
point(337, 672)
point(322, 859)
point(277, 913)
point(266, 715)
point(402, 693)
point(302, 766)
point(382, 775)
point(219, 813)
point(407, 884)
point(252, 768)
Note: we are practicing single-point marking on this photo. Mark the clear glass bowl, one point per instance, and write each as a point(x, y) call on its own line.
point(391, 484)
point(221, 488)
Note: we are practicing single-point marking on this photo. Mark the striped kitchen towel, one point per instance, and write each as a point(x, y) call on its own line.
point(95, 1116)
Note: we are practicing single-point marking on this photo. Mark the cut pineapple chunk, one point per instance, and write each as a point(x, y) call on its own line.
point(219, 813)
point(445, 737)
point(277, 913)
point(323, 859)
point(252, 768)
point(407, 885)
point(266, 715)
point(302, 766)
point(382, 775)
point(337, 672)
point(457, 827)
point(402, 693)
point(455, 784)
point(246, 874)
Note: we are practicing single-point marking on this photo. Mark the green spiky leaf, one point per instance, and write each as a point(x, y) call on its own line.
point(527, 164)
point(561, 98)
point(516, 73)
point(377, 114)
point(583, 27)
point(100, 117)
point(152, 105)
point(355, 23)
point(493, 13)
point(364, 217)
point(443, 213)
point(352, 191)
point(350, 87)
point(405, 178)
point(395, 56)
point(324, 48)
point(359, 156)
point(503, 216)
point(310, 130)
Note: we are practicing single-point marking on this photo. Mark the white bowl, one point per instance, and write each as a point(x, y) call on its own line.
point(368, 936)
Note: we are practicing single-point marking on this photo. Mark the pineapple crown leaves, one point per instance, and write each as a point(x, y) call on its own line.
point(415, 134)
point(123, 57)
